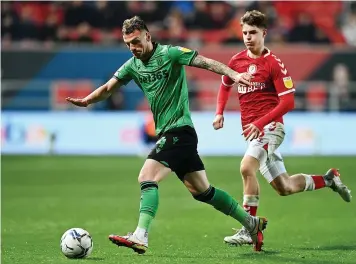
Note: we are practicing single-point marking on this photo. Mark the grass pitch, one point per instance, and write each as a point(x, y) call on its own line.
point(42, 196)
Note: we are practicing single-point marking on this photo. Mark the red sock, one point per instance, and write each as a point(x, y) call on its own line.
point(318, 181)
point(252, 210)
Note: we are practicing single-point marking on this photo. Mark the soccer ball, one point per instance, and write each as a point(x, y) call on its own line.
point(76, 243)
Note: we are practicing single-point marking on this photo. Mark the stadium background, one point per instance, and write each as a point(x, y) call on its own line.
point(51, 50)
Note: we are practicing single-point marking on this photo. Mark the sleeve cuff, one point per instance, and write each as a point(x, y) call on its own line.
point(194, 55)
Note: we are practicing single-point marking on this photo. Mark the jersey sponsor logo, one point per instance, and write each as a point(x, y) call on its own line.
point(154, 76)
point(288, 83)
point(242, 89)
point(252, 69)
point(184, 49)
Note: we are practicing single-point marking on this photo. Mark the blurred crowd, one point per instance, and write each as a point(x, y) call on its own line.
point(195, 22)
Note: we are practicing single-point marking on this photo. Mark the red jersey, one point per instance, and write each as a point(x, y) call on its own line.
point(270, 81)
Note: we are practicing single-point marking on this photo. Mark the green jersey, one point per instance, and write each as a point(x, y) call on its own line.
point(163, 81)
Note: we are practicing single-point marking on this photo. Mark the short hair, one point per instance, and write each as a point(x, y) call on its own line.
point(132, 24)
point(254, 18)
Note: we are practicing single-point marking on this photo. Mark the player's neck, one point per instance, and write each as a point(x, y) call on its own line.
point(256, 53)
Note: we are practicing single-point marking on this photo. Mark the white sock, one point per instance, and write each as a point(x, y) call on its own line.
point(141, 234)
point(250, 203)
point(309, 183)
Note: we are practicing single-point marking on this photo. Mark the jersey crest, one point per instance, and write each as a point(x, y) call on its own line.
point(252, 69)
point(159, 61)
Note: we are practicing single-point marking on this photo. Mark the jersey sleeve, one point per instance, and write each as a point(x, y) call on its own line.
point(281, 78)
point(123, 73)
point(182, 56)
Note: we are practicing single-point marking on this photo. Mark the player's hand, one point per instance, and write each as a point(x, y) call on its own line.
point(78, 101)
point(218, 122)
point(243, 78)
point(252, 132)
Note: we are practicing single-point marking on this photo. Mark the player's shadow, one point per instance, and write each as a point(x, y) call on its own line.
point(331, 247)
point(219, 257)
point(94, 259)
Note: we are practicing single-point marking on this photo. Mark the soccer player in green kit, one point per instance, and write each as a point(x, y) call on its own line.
point(159, 71)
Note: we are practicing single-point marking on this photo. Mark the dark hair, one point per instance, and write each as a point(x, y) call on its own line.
point(254, 18)
point(132, 24)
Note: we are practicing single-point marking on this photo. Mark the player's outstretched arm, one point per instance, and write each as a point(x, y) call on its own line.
point(220, 68)
point(100, 94)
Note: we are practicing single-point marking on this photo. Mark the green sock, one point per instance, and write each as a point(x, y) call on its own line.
point(149, 204)
point(223, 202)
point(145, 221)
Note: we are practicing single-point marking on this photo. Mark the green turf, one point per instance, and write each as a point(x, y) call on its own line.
point(43, 196)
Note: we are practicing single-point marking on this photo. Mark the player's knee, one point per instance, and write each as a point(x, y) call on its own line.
point(246, 171)
point(206, 196)
point(144, 176)
point(284, 190)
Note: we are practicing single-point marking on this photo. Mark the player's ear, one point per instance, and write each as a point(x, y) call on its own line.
point(148, 36)
point(264, 33)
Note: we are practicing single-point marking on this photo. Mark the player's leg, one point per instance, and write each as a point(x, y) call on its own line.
point(198, 185)
point(192, 173)
point(150, 175)
point(153, 171)
point(275, 173)
point(255, 155)
point(251, 188)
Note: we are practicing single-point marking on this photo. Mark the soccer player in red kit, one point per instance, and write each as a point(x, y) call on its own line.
point(263, 103)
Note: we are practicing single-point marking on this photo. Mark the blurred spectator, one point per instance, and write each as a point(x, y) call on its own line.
point(83, 31)
point(62, 35)
point(77, 12)
point(43, 20)
point(27, 28)
point(185, 7)
point(9, 20)
point(202, 18)
point(234, 28)
point(220, 13)
point(303, 30)
point(175, 26)
point(278, 32)
point(349, 28)
point(342, 97)
point(107, 14)
point(49, 29)
point(320, 37)
point(151, 12)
